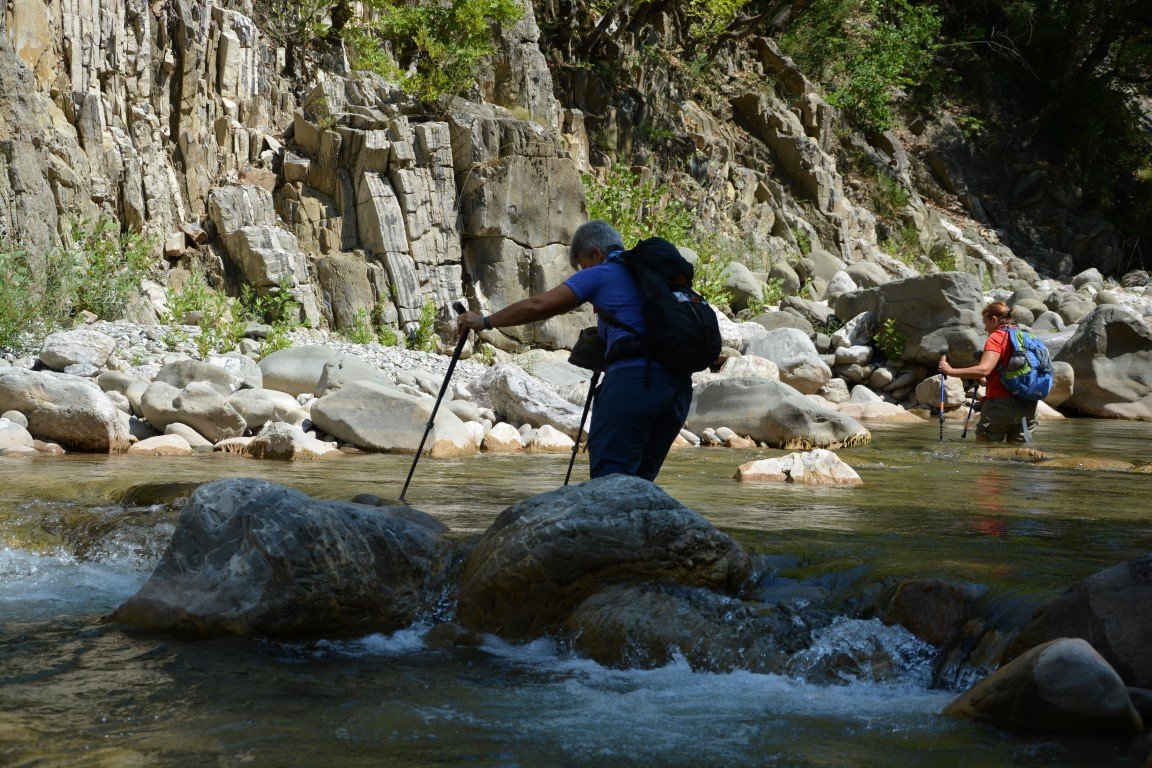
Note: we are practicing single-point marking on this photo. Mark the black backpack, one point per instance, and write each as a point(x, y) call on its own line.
point(682, 334)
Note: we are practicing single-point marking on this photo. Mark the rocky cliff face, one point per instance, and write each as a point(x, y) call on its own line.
point(174, 118)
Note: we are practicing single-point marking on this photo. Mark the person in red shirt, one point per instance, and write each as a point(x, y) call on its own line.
point(1002, 416)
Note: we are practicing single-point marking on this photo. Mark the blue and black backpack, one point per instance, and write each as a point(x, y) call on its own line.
point(682, 333)
point(1028, 373)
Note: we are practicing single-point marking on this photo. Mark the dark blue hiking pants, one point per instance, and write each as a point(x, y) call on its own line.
point(632, 426)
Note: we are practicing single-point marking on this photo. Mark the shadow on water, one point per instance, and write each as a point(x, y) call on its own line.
point(75, 691)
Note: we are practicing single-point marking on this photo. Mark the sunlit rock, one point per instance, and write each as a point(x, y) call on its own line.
point(817, 467)
point(1063, 686)
point(73, 412)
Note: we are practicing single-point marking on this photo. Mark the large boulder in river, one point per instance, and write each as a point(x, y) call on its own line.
point(1111, 353)
point(1111, 609)
point(771, 412)
point(545, 555)
point(1064, 686)
point(250, 557)
point(376, 417)
point(934, 314)
point(181, 373)
point(66, 409)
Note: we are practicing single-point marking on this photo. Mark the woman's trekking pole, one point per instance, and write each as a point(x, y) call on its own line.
point(971, 406)
point(459, 308)
point(583, 418)
point(942, 380)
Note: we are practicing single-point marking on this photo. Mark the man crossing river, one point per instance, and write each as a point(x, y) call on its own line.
point(641, 405)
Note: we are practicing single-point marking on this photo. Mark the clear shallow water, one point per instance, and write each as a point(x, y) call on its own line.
point(74, 691)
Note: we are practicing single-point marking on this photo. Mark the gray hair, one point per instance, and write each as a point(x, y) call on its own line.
point(594, 234)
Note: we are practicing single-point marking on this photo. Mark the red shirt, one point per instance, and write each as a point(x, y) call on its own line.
point(998, 343)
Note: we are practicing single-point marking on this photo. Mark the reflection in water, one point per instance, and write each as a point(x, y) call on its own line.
point(76, 691)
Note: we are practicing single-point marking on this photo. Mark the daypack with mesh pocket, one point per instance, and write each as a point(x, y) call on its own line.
point(1028, 373)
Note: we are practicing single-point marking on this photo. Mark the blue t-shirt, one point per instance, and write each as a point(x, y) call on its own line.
point(610, 286)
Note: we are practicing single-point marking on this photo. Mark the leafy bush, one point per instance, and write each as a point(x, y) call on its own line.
point(867, 53)
point(770, 296)
point(33, 294)
point(109, 266)
point(637, 209)
point(433, 48)
point(220, 329)
point(889, 340)
point(361, 331)
point(423, 337)
point(640, 209)
point(278, 308)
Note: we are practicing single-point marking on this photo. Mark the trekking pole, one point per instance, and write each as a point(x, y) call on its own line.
point(583, 417)
point(459, 308)
point(942, 380)
point(971, 406)
point(1027, 434)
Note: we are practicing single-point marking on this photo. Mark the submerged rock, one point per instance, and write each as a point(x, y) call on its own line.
point(250, 557)
point(1064, 686)
point(934, 610)
point(545, 555)
point(645, 625)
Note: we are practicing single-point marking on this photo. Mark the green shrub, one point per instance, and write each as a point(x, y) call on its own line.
point(637, 209)
point(867, 52)
point(220, 329)
point(889, 340)
point(33, 293)
point(386, 336)
point(770, 296)
point(424, 337)
point(277, 308)
point(361, 331)
point(109, 266)
point(435, 47)
point(640, 209)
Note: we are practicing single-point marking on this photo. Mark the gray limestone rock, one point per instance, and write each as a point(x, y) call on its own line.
point(1111, 354)
point(771, 412)
point(1111, 609)
point(374, 417)
point(70, 411)
point(79, 347)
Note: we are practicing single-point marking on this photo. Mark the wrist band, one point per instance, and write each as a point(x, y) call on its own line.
point(487, 323)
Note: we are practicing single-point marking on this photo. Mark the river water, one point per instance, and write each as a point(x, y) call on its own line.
point(76, 691)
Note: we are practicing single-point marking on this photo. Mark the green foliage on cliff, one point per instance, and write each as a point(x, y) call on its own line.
point(641, 208)
point(1072, 71)
point(109, 266)
point(33, 292)
point(97, 271)
point(440, 45)
point(866, 53)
